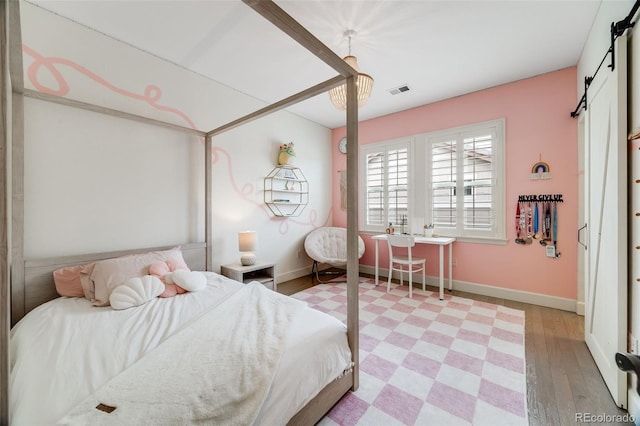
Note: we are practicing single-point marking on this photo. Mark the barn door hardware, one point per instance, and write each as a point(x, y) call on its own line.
point(617, 29)
point(579, 241)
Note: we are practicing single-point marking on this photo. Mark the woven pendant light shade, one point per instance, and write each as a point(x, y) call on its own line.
point(364, 84)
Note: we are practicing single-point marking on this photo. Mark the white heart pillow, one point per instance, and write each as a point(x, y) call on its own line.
point(189, 280)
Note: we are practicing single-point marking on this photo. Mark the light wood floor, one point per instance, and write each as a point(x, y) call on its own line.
point(562, 378)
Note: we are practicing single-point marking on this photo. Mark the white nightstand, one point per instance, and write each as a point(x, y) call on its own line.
point(263, 272)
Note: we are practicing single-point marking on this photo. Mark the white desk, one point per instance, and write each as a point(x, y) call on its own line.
point(439, 241)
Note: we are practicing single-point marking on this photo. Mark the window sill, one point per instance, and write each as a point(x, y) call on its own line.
point(481, 240)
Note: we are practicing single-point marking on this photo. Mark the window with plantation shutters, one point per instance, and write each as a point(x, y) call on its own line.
point(386, 169)
point(443, 184)
point(454, 181)
point(466, 181)
point(478, 173)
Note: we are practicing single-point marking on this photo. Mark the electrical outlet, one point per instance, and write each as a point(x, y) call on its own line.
point(453, 263)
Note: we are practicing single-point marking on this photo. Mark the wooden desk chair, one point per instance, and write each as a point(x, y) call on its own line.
point(401, 259)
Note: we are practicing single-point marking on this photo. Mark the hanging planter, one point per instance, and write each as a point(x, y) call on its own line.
point(286, 154)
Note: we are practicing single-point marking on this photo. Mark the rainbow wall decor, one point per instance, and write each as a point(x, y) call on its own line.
point(540, 170)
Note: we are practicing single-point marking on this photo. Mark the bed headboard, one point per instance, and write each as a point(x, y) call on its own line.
point(38, 273)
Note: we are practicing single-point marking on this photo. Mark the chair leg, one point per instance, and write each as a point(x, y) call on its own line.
point(389, 277)
point(410, 282)
point(316, 267)
point(424, 281)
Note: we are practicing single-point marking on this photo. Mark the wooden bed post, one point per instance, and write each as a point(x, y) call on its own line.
point(17, 162)
point(353, 273)
point(4, 219)
point(208, 191)
point(11, 164)
point(272, 12)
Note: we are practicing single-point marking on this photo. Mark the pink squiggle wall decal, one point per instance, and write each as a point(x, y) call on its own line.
point(151, 96)
point(247, 190)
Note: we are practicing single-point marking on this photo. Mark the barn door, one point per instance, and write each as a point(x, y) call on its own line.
point(606, 216)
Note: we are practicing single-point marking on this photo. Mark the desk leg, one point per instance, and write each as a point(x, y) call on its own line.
point(450, 266)
point(441, 272)
point(376, 272)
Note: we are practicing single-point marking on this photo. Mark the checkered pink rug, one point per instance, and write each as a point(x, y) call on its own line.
point(424, 361)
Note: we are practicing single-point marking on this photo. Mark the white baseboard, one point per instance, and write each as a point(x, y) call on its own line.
point(487, 290)
point(562, 303)
point(292, 275)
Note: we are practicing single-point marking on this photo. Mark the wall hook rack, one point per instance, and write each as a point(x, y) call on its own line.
point(548, 198)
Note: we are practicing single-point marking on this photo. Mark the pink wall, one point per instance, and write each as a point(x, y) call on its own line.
point(537, 124)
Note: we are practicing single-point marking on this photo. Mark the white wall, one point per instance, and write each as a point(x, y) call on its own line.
point(99, 183)
point(595, 48)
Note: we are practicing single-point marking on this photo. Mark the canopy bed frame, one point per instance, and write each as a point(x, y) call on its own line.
point(31, 282)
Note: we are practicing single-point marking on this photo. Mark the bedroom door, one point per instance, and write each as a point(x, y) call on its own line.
point(606, 216)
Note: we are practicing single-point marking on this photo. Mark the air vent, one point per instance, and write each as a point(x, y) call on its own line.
point(400, 89)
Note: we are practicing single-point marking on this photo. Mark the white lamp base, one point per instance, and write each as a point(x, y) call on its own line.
point(248, 259)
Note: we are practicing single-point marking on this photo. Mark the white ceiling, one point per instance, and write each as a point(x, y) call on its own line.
point(440, 49)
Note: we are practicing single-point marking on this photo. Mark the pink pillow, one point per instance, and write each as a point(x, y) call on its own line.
point(74, 281)
point(67, 281)
point(177, 264)
point(87, 283)
point(163, 268)
point(110, 273)
point(159, 269)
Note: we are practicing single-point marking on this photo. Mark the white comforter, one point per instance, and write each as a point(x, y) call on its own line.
point(65, 350)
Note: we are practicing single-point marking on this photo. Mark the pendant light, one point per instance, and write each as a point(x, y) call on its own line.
point(364, 82)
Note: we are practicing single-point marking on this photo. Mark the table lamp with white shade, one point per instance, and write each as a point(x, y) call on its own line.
point(247, 243)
